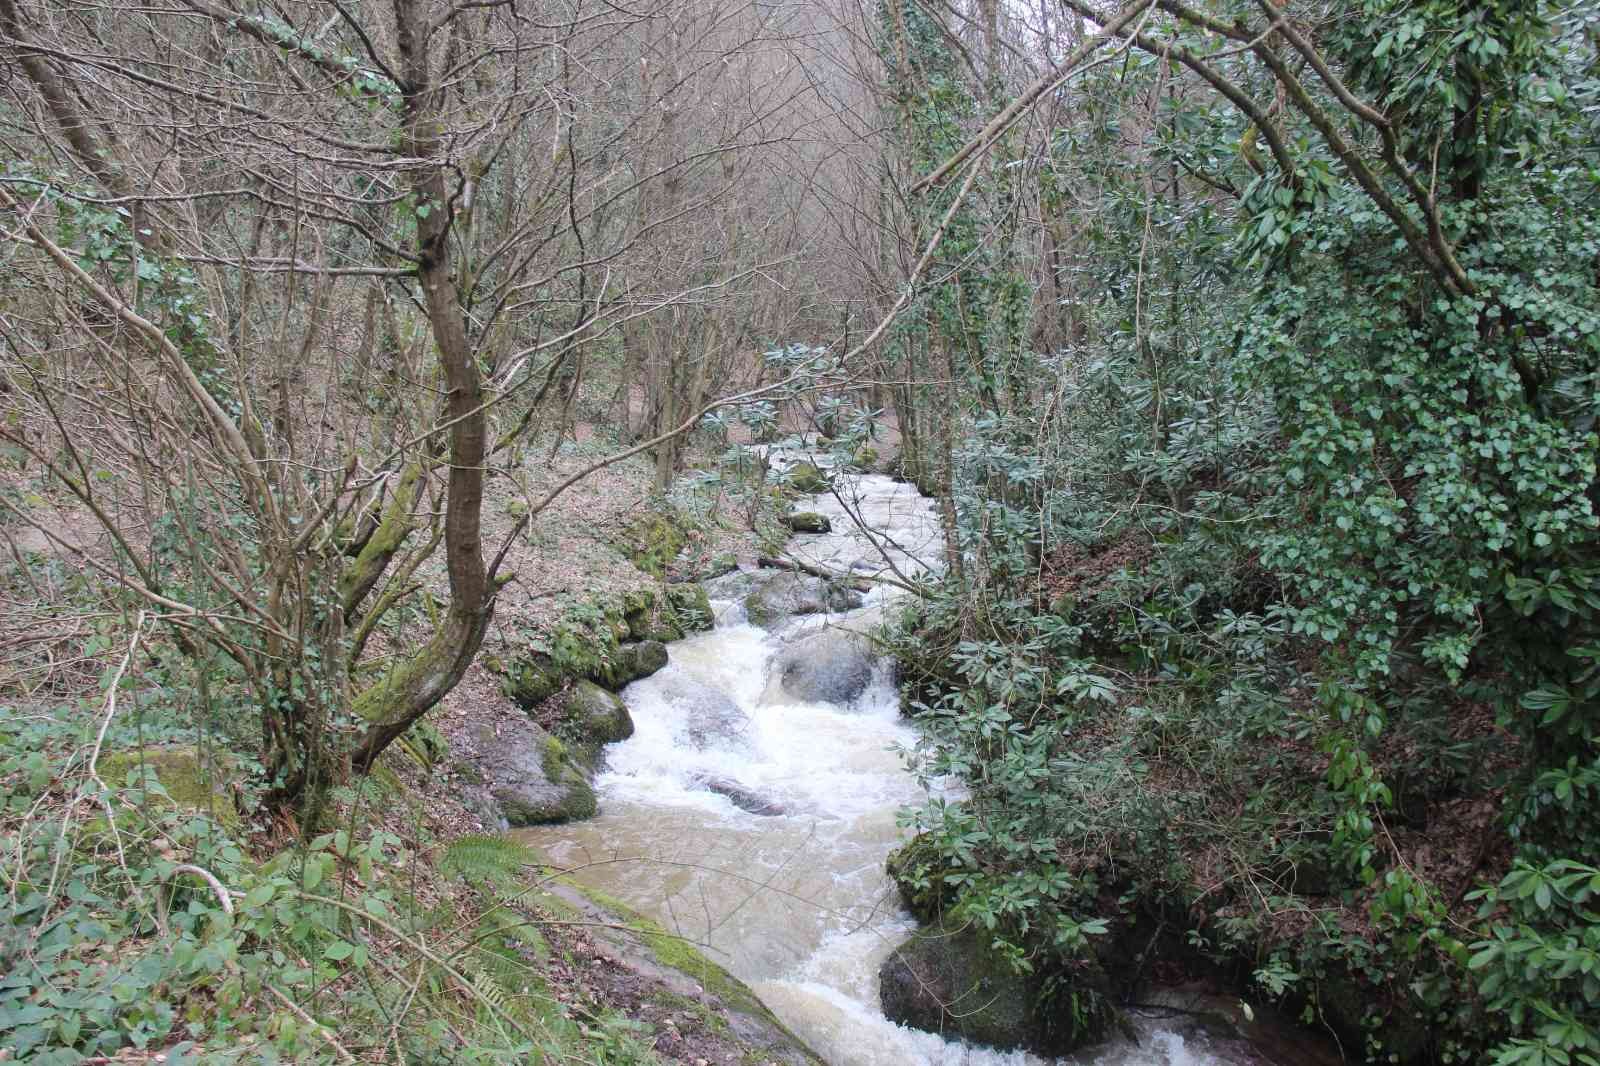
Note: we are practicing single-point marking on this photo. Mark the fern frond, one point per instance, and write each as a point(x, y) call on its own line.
point(482, 858)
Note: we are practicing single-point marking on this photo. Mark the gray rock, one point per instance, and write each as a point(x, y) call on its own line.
point(781, 594)
point(533, 777)
point(741, 797)
point(734, 585)
point(808, 522)
point(829, 666)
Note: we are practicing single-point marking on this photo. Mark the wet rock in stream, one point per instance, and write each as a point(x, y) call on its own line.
point(782, 595)
point(832, 665)
point(745, 799)
point(711, 717)
point(948, 980)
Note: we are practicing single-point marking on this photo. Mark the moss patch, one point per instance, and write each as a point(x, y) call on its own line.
point(807, 478)
point(611, 641)
point(915, 868)
point(191, 779)
point(652, 541)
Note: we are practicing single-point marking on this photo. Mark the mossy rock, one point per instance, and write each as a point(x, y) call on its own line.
point(866, 458)
point(611, 641)
point(808, 478)
point(916, 870)
point(531, 679)
point(631, 662)
point(596, 717)
point(192, 779)
point(556, 790)
point(808, 522)
point(681, 609)
point(574, 805)
point(639, 612)
point(651, 542)
point(950, 980)
point(665, 961)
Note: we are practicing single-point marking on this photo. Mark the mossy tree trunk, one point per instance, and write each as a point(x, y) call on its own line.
point(391, 706)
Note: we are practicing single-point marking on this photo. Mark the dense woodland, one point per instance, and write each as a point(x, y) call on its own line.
point(1251, 349)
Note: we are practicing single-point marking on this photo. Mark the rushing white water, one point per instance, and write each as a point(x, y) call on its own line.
point(795, 903)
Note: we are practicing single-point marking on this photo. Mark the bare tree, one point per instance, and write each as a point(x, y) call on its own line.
point(296, 283)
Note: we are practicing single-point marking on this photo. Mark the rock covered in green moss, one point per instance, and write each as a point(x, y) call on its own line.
point(685, 978)
point(534, 777)
point(651, 541)
point(630, 662)
point(191, 779)
point(948, 979)
point(611, 641)
point(597, 716)
point(531, 678)
point(807, 478)
point(679, 609)
point(808, 522)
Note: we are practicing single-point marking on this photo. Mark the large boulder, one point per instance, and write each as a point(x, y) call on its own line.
point(950, 980)
point(832, 665)
point(533, 776)
point(710, 715)
point(782, 594)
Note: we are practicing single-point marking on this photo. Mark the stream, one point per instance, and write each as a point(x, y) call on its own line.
point(793, 900)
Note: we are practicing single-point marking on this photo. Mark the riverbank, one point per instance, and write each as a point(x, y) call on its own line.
point(405, 926)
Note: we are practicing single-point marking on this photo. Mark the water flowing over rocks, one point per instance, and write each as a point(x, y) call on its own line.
point(753, 807)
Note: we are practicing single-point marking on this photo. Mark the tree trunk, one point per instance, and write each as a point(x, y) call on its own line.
point(391, 705)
